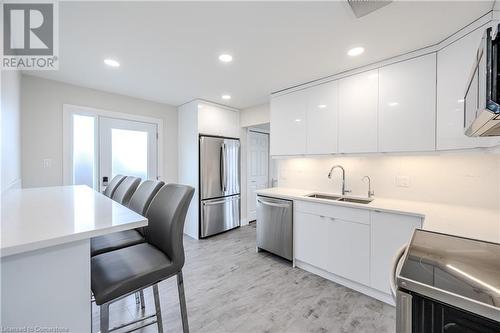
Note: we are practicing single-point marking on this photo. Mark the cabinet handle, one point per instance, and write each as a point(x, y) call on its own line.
point(322, 216)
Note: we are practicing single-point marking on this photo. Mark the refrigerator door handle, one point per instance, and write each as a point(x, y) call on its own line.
point(224, 173)
point(211, 203)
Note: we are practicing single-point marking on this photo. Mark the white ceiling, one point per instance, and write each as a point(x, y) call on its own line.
point(169, 50)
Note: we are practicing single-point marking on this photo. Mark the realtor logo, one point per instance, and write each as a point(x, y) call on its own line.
point(29, 35)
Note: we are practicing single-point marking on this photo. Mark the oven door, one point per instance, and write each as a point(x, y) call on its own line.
point(418, 314)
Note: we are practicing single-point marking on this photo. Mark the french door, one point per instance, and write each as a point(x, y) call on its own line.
point(127, 147)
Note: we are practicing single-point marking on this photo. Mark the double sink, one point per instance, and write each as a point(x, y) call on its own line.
point(339, 198)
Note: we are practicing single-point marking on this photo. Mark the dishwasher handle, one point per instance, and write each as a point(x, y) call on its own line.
point(272, 204)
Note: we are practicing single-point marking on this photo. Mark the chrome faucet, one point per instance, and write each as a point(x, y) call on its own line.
point(370, 191)
point(344, 191)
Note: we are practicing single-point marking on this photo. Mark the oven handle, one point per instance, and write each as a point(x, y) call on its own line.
point(395, 263)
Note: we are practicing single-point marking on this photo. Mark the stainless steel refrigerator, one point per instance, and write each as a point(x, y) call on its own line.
point(219, 185)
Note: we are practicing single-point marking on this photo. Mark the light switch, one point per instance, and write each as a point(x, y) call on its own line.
point(47, 163)
point(403, 181)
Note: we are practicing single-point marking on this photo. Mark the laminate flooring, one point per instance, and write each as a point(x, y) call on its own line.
point(231, 288)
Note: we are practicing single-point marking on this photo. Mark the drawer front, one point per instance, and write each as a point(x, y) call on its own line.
point(338, 212)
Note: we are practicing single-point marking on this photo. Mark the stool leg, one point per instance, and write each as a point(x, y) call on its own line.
point(104, 310)
point(159, 321)
point(182, 301)
point(141, 296)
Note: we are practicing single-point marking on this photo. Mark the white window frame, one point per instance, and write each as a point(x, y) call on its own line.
point(69, 110)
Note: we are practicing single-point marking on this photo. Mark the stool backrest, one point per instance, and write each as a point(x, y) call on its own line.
point(112, 185)
point(124, 191)
point(166, 216)
point(143, 195)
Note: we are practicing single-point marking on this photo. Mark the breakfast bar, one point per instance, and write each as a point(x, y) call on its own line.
point(45, 254)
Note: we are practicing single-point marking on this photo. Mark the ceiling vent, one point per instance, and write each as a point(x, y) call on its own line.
point(365, 7)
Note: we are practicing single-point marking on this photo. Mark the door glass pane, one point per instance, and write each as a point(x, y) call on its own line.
point(129, 153)
point(83, 150)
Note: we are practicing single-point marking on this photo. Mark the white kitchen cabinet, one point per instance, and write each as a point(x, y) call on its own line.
point(311, 239)
point(216, 120)
point(389, 232)
point(454, 65)
point(407, 105)
point(349, 250)
point(358, 110)
point(288, 124)
point(322, 115)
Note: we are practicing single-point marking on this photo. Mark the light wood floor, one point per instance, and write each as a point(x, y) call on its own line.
point(231, 288)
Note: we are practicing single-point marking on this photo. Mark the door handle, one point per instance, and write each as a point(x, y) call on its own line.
point(224, 175)
point(211, 203)
point(395, 262)
point(273, 204)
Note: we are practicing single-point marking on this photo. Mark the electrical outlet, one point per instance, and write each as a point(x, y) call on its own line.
point(403, 181)
point(47, 163)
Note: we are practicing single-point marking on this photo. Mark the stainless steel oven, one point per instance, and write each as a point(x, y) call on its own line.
point(450, 284)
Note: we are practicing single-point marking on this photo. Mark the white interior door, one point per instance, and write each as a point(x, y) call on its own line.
point(127, 147)
point(257, 169)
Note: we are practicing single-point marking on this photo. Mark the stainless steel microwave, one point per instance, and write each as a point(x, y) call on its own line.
point(482, 96)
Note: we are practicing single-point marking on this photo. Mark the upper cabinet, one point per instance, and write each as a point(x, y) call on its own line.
point(288, 124)
point(358, 108)
point(414, 105)
point(217, 120)
point(322, 113)
point(454, 65)
point(407, 105)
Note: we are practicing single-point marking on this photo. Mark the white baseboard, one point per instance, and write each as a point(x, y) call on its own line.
point(381, 296)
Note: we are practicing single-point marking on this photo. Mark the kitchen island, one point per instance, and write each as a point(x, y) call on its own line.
point(45, 254)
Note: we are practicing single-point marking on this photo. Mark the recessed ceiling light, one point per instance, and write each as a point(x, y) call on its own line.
point(355, 51)
point(461, 100)
point(226, 58)
point(226, 97)
point(111, 63)
point(393, 104)
point(298, 120)
point(322, 106)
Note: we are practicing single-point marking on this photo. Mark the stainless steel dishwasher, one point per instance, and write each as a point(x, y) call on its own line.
point(275, 226)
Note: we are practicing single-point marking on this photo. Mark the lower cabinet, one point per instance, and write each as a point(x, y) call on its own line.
point(311, 239)
point(349, 250)
point(388, 233)
point(361, 251)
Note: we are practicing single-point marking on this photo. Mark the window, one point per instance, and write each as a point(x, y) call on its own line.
point(84, 162)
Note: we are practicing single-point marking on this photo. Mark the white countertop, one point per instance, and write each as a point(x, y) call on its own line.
point(453, 219)
point(37, 218)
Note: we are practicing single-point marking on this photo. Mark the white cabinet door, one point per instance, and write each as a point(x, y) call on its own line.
point(358, 109)
point(213, 120)
point(322, 111)
point(454, 65)
point(407, 110)
point(311, 239)
point(288, 124)
point(349, 250)
point(388, 233)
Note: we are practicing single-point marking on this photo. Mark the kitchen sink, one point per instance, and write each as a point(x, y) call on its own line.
point(356, 200)
point(339, 198)
point(324, 196)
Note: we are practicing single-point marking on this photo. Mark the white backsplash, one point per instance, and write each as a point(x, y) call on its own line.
point(470, 178)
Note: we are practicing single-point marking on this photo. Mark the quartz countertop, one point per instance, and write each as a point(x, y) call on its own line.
point(37, 218)
point(459, 220)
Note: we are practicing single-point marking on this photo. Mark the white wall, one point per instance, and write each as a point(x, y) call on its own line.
point(11, 129)
point(255, 115)
point(42, 126)
point(469, 179)
point(189, 161)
